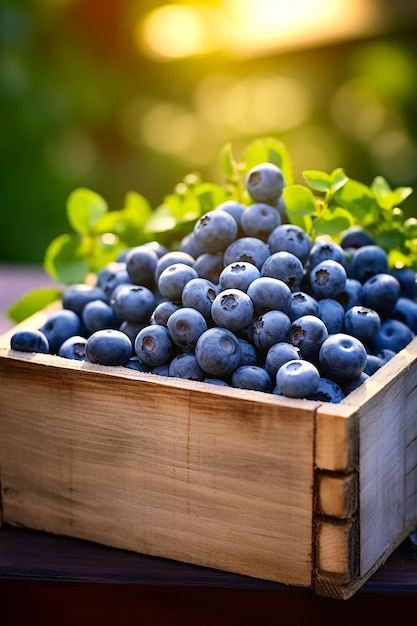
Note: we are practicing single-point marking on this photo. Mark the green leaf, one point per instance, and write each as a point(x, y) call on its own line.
point(332, 221)
point(228, 166)
point(66, 259)
point(410, 228)
point(269, 150)
point(338, 179)
point(32, 302)
point(84, 209)
point(389, 198)
point(360, 201)
point(161, 221)
point(209, 196)
point(319, 181)
point(299, 201)
point(390, 239)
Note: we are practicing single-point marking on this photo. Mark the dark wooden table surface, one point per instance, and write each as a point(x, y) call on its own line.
point(46, 579)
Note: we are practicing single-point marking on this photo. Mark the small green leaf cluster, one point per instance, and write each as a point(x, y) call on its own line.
point(327, 204)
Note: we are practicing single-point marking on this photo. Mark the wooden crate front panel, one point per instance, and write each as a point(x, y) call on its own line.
point(159, 466)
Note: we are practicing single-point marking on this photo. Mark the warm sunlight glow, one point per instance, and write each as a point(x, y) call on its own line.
point(174, 31)
point(247, 28)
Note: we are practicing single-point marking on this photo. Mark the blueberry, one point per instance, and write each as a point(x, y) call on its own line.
point(216, 381)
point(74, 348)
point(308, 333)
point(133, 303)
point(131, 329)
point(302, 303)
point(59, 326)
point(264, 182)
point(162, 311)
point(186, 366)
point(327, 391)
point(218, 352)
point(269, 293)
point(342, 357)
point(278, 354)
point(199, 294)
point(367, 261)
point(407, 279)
point(170, 258)
point(113, 277)
point(352, 293)
point(248, 249)
point(173, 279)
point(285, 266)
point(298, 379)
point(270, 328)
point(332, 313)
point(189, 245)
point(153, 345)
point(373, 363)
point(209, 266)
point(290, 238)
point(232, 309)
point(185, 326)
point(141, 262)
point(134, 363)
point(393, 335)
point(75, 297)
point(405, 310)
point(98, 315)
point(362, 322)
point(214, 231)
point(325, 250)
point(354, 383)
point(249, 353)
point(327, 279)
point(29, 340)
point(252, 377)
point(109, 347)
point(356, 237)
point(238, 275)
point(381, 292)
point(235, 209)
point(259, 220)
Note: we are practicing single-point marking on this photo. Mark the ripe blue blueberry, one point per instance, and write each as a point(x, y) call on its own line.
point(185, 326)
point(252, 377)
point(98, 315)
point(342, 357)
point(133, 303)
point(153, 345)
point(74, 348)
point(259, 220)
point(209, 266)
point(381, 292)
point(59, 326)
point(298, 379)
point(232, 309)
point(109, 347)
point(332, 313)
point(185, 365)
point(238, 275)
point(75, 297)
point(214, 231)
point(327, 279)
point(173, 279)
point(362, 322)
point(265, 182)
point(248, 249)
point(162, 311)
point(285, 266)
point(327, 391)
point(325, 250)
point(405, 310)
point(170, 258)
point(308, 333)
point(392, 335)
point(290, 238)
point(367, 261)
point(278, 354)
point(141, 262)
point(199, 294)
point(270, 328)
point(269, 293)
point(302, 303)
point(29, 340)
point(218, 352)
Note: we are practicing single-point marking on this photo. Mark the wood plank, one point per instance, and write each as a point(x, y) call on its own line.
point(161, 466)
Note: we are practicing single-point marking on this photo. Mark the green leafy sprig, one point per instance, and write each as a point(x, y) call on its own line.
point(326, 205)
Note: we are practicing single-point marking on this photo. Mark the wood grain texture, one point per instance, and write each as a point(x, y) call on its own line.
point(160, 466)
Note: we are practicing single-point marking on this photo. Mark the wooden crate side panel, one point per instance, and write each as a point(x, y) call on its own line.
point(207, 477)
point(388, 462)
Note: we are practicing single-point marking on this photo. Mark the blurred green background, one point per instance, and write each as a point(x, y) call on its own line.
point(134, 95)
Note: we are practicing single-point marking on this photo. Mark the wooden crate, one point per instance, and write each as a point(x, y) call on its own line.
point(305, 493)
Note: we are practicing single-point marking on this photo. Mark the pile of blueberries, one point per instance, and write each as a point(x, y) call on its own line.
point(247, 300)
